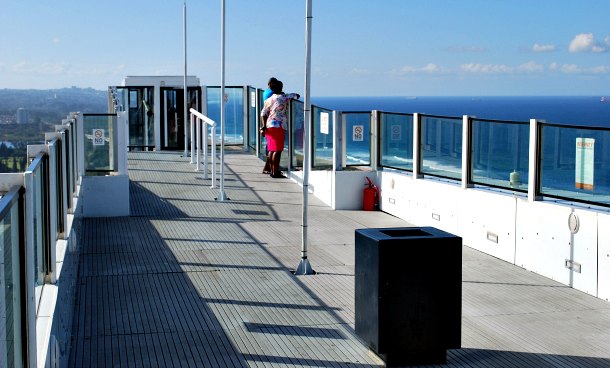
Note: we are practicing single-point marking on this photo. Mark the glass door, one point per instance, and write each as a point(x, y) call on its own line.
point(172, 125)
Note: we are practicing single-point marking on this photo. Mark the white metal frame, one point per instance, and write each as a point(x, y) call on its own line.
point(202, 123)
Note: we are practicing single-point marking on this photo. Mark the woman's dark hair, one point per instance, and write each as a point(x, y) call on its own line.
point(277, 87)
point(272, 80)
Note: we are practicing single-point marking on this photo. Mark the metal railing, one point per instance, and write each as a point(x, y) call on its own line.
point(34, 207)
point(532, 157)
point(205, 127)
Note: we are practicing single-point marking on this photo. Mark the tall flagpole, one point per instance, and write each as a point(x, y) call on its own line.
point(304, 267)
point(185, 119)
point(222, 196)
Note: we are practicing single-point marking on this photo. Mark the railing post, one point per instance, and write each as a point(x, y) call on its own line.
point(338, 141)
point(258, 140)
point(198, 124)
point(205, 149)
point(416, 146)
point(466, 151)
point(30, 270)
point(192, 128)
point(245, 109)
point(374, 139)
point(121, 142)
point(53, 225)
point(213, 149)
point(534, 159)
point(80, 142)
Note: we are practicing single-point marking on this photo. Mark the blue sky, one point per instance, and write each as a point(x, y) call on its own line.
point(360, 47)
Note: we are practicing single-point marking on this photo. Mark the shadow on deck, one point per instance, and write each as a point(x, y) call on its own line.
point(188, 281)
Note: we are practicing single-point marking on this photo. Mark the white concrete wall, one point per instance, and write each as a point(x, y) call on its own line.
point(532, 234)
point(349, 189)
point(105, 196)
point(545, 242)
point(603, 256)
point(487, 222)
point(341, 190)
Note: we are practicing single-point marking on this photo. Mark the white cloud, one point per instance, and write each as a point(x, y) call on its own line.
point(597, 48)
point(607, 40)
point(577, 69)
point(543, 48)
point(429, 68)
point(585, 42)
point(486, 68)
point(359, 71)
point(56, 40)
point(529, 67)
point(601, 69)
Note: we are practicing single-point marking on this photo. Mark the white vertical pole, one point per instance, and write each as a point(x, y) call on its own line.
point(532, 184)
point(186, 110)
point(198, 123)
point(192, 153)
point(204, 127)
point(466, 150)
point(304, 267)
point(213, 149)
point(222, 196)
point(416, 146)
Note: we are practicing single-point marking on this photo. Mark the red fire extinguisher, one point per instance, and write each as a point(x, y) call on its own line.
point(370, 199)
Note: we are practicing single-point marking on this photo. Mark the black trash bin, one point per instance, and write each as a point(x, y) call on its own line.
point(409, 293)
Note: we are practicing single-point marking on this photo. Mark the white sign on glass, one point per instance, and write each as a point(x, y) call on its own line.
point(585, 153)
point(253, 99)
point(98, 137)
point(324, 123)
point(358, 133)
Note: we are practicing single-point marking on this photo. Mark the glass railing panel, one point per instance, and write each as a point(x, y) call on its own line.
point(441, 146)
point(37, 194)
point(500, 154)
point(575, 163)
point(66, 159)
point(252, 115)
point(285, 156)
point(234, 113)
point(10, 310)
point(322, 138)
point(100, 143)
point(357, 138)
point(263, 140)
point(396, 141)
point(296, 132)
point(56, 195)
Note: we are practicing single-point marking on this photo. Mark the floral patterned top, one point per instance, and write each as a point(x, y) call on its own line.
point(276, 110)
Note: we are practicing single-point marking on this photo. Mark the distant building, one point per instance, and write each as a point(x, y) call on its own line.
point(22, 116)
point(7, 119)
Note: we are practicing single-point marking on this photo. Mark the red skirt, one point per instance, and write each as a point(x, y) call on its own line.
point(275, 139)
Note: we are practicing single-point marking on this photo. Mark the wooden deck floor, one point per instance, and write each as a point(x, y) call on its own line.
point(188, 281)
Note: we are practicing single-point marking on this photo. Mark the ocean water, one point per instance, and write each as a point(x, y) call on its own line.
point(565, 110)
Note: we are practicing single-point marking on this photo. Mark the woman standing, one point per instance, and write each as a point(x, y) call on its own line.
point(275, 122)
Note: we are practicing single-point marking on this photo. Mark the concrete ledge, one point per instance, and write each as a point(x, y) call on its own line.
point(341, 190)
point(105, 196)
